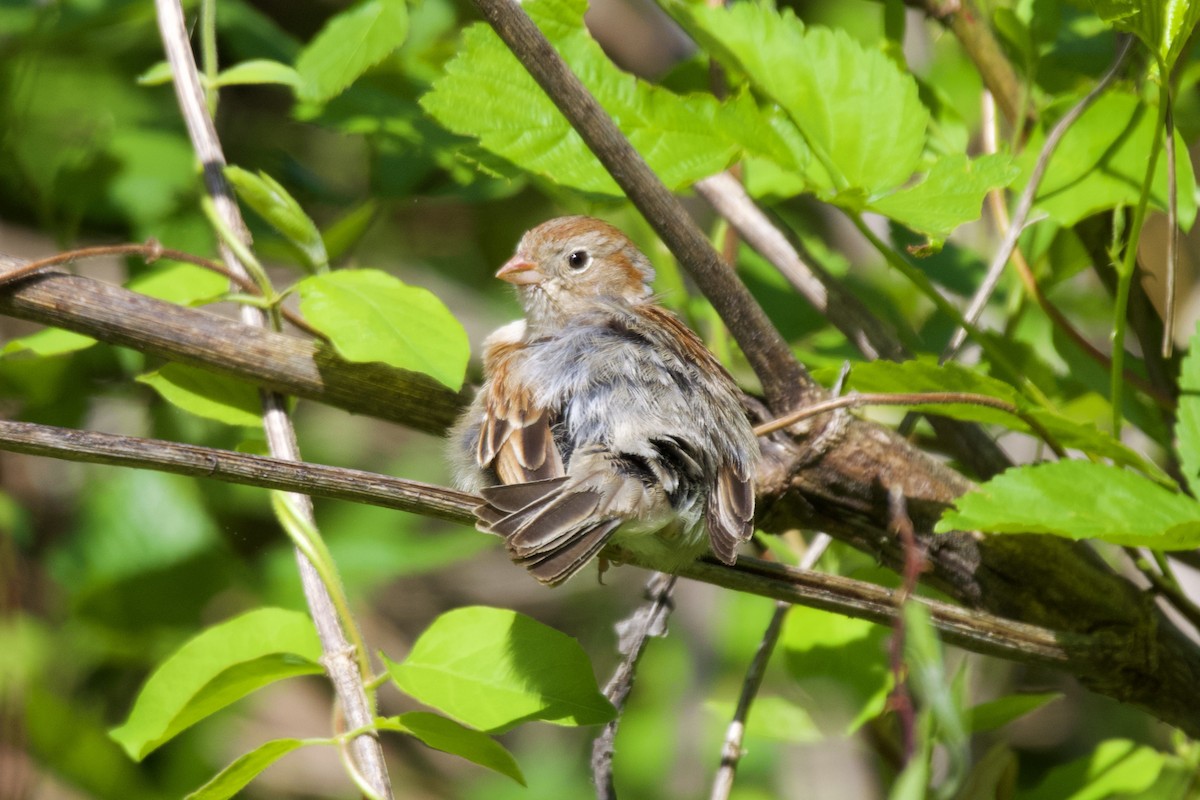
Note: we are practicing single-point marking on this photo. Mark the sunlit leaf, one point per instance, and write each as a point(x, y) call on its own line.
point(231, 780)
point(451, 737)
point(207, 394)
point(274, 204)
point(351, 43)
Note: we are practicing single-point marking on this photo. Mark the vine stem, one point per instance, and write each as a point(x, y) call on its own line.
point(339, 654)
point(1128, 266)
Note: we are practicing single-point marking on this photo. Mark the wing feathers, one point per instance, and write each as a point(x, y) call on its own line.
point(729, 513)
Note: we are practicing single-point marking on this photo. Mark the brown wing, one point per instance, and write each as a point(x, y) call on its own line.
point(515, 438)
point(729, 512)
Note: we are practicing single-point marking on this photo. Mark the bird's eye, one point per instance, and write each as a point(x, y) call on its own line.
point(579, 259)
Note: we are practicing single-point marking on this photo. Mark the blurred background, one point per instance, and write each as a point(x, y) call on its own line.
point(104, 571)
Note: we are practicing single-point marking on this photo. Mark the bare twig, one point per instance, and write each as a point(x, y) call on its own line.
point(341, 661)
point(150, 252)
point(1020, 217)
point(912, 399)
point(633, 633)
point(784, 381)
point(735, 734)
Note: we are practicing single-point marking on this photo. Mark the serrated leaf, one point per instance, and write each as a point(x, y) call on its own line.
point(350, 43)
point(949, 195)
point(1113, 767)
point(858, 111)
point(1187, 425)
point(258, 71)
point(369, 315)
point(48, 342)
point(231, 780)
point(273, 203)
point(491, 668)
point(207, 394)
point(449, 736)
point(485, 93)
point(1079, 500)
point(998, 713)
point(1101, 163)
point(216, 668)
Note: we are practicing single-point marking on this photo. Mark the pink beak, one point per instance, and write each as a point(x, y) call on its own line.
point(520, 272)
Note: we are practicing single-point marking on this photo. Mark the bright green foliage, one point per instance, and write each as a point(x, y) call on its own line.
point(371, 316)
point(231, 780)
point(491, 668)
point(998, 713)
point(257, 71)
point(1187, 425)
point(451, 737)
point(48, 342)
point(1079, 500)
point(774, 718)
point(174, 282)
point(207, 394)
point(949, 195)
point(841, 661)
point(350, 44)
point(273, 203)
point(1101, 161)
point(485, 93)
point(1117, 766)
point(218, 667)
point(1162, 25)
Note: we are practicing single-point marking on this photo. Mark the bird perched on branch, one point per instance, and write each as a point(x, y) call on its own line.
point(602, 416)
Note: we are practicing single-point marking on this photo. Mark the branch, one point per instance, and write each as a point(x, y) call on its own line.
point(784, 381)
point(343, 659)
point(274, 361)
point(973, 630)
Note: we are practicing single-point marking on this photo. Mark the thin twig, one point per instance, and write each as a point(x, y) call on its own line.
point(633, 633)
point(1164, 583)
point(1020, 217)
point(785, 382)
point(735, 734)
point(912, 399)
point(150, 252)
point(341, 662)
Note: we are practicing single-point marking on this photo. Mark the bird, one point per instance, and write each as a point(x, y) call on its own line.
point(602, 418)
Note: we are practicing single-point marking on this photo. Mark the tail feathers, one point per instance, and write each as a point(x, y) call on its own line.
point(551, 532)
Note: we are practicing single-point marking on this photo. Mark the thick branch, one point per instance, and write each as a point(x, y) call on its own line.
point(298, 367)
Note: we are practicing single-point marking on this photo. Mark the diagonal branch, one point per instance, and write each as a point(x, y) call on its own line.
point(784, 381)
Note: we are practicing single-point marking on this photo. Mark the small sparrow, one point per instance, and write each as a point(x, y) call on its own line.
point(602, 417)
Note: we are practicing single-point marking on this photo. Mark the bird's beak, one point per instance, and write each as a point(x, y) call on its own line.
point(520, 272)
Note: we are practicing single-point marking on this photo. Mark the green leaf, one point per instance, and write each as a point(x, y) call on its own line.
point(949, 195)
point(840, 660)
point(935, 692)
point(207, 394)
point(1163, 25)
point(257, 71)
point(1079, 500)
point(858, 111)
point(486, 93)
point(157, 75)
point(346, 231)
point(491, 668)
point(998, 713)
point(350, 43)
point(372, 316)
point(231, 780)
point(216, 668)
point(273, 203)
point(176, 282)
point(48, 342)
point(450, 737)
point(1187, 426)
point(773, 718)
point(1114, 766)
point(1101, 162)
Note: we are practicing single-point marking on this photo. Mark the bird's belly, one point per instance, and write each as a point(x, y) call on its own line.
point(667, 545)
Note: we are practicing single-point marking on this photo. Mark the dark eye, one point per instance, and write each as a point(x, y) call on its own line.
point(579, 259)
